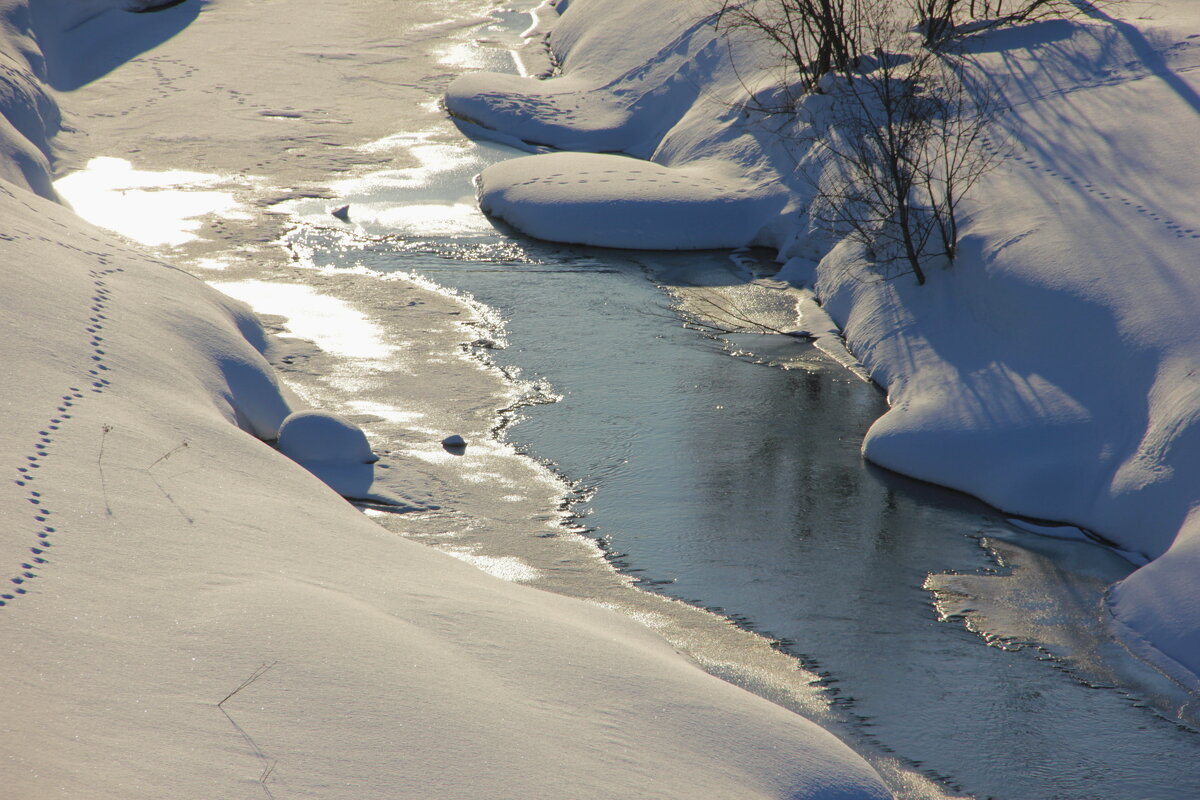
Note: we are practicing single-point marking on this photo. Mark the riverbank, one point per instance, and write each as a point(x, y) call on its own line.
point(194, 614)
point(1050, 372)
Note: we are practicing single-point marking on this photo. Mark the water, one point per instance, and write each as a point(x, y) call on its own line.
point(710, 473)
point(738, 486)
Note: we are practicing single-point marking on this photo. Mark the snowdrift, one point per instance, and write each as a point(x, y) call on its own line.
point(1053, 370)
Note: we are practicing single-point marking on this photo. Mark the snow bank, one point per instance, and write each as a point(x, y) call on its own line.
point(29, 118)
point(1053, 370)
point(616, 201)
point(616, 98)
point(192, 614)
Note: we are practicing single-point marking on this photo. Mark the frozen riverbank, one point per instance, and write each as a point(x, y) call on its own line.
point(1000, 371)
point(186, 596)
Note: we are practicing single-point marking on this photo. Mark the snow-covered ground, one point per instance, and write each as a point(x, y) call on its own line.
point(191, 613)
point(1052, 371)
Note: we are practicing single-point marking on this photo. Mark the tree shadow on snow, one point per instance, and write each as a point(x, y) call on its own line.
point(82, 42)
point(1152, 57)
point(1053, 37)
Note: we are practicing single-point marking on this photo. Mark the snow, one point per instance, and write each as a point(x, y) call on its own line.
point(326, 445)
point(616, 201)
point(192, 614)
point(1052, 371)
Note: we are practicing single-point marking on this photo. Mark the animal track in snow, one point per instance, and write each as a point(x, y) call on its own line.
point(1176, 229)
point(42, 532)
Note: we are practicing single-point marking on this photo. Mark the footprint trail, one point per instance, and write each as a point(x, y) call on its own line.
point(42, 531)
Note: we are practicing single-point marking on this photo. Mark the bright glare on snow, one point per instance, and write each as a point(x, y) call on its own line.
point(154, 208)
point(504, 567)
point(329, 323)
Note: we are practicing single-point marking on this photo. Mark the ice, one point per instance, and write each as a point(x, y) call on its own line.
point(154, 208)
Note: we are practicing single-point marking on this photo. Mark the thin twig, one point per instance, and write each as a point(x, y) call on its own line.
point(104, 431)
point(161, 488)
point(168, 454)
point(258, 673)
point(269, 764)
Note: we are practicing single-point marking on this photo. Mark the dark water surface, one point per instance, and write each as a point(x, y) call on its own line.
point(738, 486)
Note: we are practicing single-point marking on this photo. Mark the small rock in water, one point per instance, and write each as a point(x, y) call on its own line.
point(454, 440)
point(341, 212)
point(801, 334)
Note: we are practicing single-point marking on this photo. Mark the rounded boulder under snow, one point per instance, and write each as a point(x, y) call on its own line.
point(318, 437)
point(617, 201)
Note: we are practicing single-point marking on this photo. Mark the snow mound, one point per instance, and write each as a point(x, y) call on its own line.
point(611, 97)
point(333, 449)
point(1154, 609)
point(615, 201)
point(558, 114)
point(320, 437)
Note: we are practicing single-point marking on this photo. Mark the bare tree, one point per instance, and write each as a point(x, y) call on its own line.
point(905, 144)
point(816, 36)
point(956, 152)
point(901, 132)
point(941, 20)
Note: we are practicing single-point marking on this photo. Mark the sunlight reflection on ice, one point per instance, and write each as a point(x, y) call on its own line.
point(154, 208)
point(434, 197)
point(432, 220)
point(331, 324)
point(506, 568)
point(477, 56)
point(389, 413)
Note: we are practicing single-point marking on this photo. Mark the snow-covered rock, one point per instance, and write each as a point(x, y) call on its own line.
point(616, 201)
point(333, 449)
